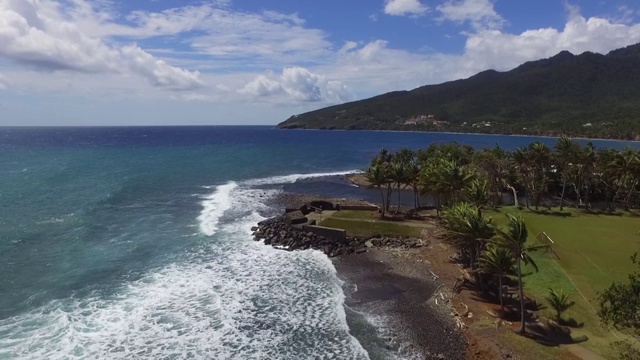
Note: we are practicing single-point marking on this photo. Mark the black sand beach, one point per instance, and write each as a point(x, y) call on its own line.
point(395, 288)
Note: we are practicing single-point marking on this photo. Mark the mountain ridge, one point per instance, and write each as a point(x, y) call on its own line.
point(586, 95)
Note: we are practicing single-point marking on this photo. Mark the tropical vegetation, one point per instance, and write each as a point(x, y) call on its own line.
point(467, 188)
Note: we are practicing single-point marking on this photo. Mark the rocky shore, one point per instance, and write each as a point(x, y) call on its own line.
point(281, 233)
point(386, 280)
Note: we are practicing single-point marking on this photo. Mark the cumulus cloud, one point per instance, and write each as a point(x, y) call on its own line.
point(298, 84)
point(34, 33)
point(82, 44)
point(376, 67)
point(503, 51)
point(262, 86)
point(479, 13)
point(405, 7)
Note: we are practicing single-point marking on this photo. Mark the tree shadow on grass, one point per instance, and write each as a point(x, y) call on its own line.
point(551, 212)
point(571, 322)
point(603, 212)
point(550, 334)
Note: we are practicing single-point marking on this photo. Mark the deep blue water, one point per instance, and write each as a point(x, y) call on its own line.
point(135, 242)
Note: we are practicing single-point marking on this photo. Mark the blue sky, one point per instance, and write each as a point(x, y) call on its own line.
point(146, 62)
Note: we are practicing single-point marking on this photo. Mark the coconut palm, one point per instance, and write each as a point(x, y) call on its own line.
point(539, 158)
point(566, 150)
point(625, 168)
point(559, 302)
point(514, 240)
point(498, 261)
point(477, 192)
point(377, 177)
point(413, 177)
point(468, 230)
point(520, 160)
point(398, 174)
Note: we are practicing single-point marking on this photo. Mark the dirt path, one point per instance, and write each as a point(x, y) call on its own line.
point(582, 352)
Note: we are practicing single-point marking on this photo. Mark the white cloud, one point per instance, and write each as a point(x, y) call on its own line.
point(405, 7)
point(34, 33)
point(262, 86)
point(624, 15)
point(4, 83)
point(298, 84)
point(89, 53)
point(479, 13)
point(376, 67)
point(269, 37)
point(503, 51)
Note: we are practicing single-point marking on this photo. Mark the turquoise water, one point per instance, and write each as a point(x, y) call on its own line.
point(136, 242)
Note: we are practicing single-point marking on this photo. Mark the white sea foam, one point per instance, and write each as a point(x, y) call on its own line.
point(286, 179)
point(248, 302)
point(233, 299)
point(214, 206)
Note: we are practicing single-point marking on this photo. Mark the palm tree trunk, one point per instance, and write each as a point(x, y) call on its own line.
point(522, 311)
point(564, 186)
point(398, 209)
point(382, 196)
point(500, 294)
point(389, 192)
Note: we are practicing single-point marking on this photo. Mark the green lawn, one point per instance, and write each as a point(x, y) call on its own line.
point(356, 227)
point(593, 251)
point(356, 214)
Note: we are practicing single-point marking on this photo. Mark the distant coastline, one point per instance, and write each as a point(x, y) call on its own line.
point(636, 140)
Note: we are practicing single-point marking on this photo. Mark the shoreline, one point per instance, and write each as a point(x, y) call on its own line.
point(398, 306)
point(397, 289)
point(405, 302)
point(469, 133)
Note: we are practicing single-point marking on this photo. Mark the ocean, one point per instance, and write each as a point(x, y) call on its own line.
point(135, 243)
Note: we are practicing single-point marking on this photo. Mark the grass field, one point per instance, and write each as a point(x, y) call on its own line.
point(356, 214)
point(367, 223)
point(592, 252)
point(356, 227)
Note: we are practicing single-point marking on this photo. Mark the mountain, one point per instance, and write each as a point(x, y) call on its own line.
point(590, 95)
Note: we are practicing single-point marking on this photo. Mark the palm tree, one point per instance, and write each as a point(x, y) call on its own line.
point(565, 151)
point(625, 166)
point(498, 261)
point(559, 302)
point(540, 160)
point(519, 157)
point(377, 177)
point(514, 240)
point(468, 230)
point(413, 177)
point(397, 173)
point(478, 192)
point(383, 159)
point(445, 180)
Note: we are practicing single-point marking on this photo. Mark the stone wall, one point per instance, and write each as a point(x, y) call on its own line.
point(359, 207)
point(326, 232)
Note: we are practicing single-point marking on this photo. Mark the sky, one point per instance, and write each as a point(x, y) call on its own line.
point(239, 62)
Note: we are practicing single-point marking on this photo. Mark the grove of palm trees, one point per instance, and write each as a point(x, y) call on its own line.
point(482, 198)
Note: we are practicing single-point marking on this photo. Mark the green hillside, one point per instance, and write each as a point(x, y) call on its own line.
point(589, 95)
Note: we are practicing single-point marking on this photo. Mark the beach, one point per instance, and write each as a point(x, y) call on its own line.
point(409, 298)
point(399, 289)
